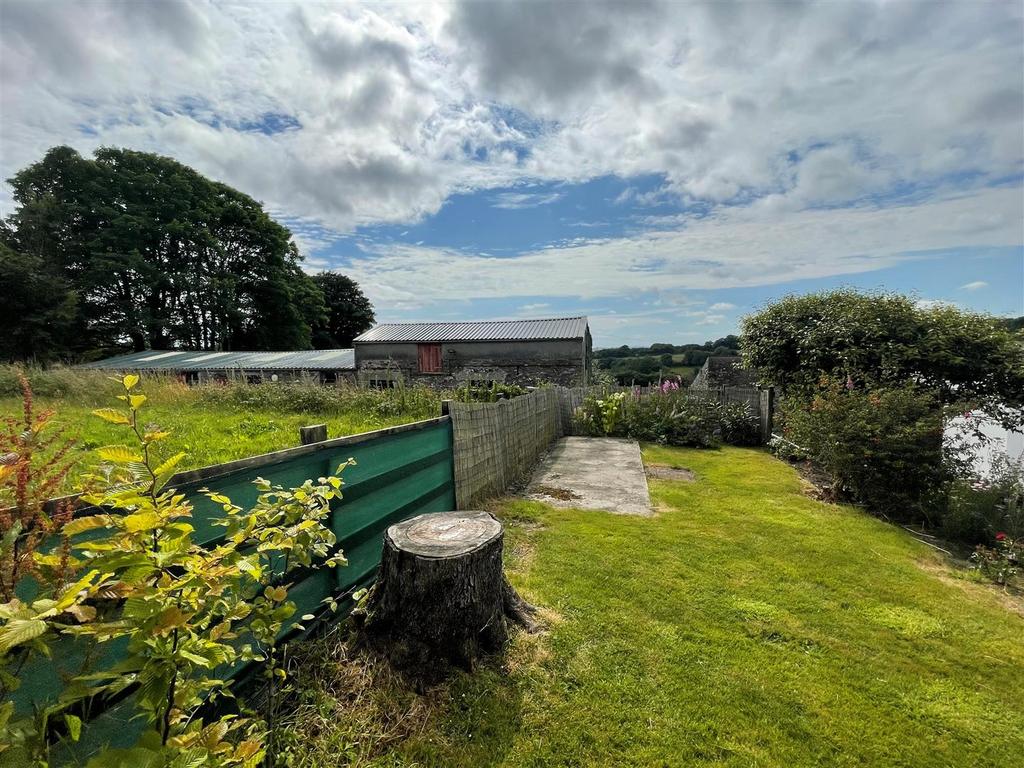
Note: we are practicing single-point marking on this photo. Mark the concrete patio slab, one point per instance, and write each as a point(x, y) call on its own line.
point(593, 473)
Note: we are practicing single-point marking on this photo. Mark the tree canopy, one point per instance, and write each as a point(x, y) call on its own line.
point(887, 339)
point(348, 311)
point(131, 249)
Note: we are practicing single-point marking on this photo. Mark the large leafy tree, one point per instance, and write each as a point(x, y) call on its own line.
point(875, 340)
point(38, 309)
point(158, 256)
point(348, 311)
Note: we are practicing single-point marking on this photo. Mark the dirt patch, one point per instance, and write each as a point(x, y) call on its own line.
point(563, 494)
point(663, 472)
point(816, 483)
point(953, 572)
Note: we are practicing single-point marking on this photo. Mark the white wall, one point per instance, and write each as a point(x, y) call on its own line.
point(999, 441)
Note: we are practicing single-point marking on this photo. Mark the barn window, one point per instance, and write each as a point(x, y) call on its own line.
point(430, 358)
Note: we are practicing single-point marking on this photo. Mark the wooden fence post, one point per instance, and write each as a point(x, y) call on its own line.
point(315, 433)
point(767, 413)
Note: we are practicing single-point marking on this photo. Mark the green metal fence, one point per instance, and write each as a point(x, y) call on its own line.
point(399, 472)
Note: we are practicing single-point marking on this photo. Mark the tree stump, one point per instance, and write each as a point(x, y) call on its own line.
point(441, 594)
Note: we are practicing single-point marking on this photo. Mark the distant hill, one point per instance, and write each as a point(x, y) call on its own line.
point(645, 365)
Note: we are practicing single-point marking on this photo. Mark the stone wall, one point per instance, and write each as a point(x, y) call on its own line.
point(524, 363)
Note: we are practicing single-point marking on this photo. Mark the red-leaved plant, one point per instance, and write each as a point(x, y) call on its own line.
point(35, 459)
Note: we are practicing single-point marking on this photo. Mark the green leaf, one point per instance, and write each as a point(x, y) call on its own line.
point(142, 521)
point(20, 631)
point(80, 524)
point(277, 594)
point(118, 454)
point(70, 594)
point(112, 415)
point(136, 401)
point(130, 380)
point(168, 466)
point(194, 658)
point(74, 725)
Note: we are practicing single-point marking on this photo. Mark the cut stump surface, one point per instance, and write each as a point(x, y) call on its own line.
point(445, 534)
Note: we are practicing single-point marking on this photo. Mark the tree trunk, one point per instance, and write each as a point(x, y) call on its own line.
point(441, 594)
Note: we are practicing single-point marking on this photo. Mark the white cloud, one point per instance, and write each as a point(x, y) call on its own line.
point(338, 116)
point(528, 308)
point(977, 285)
point(711, 320)
point(516, 200)
point(721, 306)
point(736, 247)
point(398, 106)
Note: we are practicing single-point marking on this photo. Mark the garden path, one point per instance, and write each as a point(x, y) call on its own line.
point(593, 473)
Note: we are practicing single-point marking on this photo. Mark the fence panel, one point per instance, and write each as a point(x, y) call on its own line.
point(400, 472)
point(496, 444)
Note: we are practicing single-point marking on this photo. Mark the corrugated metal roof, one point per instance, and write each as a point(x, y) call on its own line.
point(490, 330)
point(185, 360)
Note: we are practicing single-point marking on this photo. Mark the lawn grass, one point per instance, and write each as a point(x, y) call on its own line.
point(214, 423)
point(744, 625)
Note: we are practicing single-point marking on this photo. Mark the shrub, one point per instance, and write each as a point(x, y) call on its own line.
point(882, 447)
point(981, 508)
point(671, 417)
point(1003, 562)
point(179, 613)
point(887, 340)
point(740, 426)
point(600, 416)
point(308, 396)
point(787, 450)
point(489, 393)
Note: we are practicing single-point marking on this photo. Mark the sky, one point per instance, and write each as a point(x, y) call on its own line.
point(663, 168)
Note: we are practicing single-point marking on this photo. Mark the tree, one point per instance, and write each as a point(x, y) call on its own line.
point(38, 309)
point(1013, 323)
point(158, 256)
point(879, 340)
point(348, 312)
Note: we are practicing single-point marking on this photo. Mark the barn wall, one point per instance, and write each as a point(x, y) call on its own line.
point(526, 363)
point(256, 375)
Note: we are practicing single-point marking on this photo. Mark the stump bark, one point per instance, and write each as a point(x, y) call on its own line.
point(441, 594)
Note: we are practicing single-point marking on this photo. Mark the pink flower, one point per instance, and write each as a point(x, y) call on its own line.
point(1000, 536)
point(849, 382)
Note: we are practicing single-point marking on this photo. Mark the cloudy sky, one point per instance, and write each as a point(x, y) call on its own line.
point(662, 167)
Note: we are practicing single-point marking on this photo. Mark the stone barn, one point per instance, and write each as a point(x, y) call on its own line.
point(449, 355)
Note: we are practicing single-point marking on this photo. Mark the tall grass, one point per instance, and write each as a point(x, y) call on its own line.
point(82, 386)
point(214, 423)
point(75, 386)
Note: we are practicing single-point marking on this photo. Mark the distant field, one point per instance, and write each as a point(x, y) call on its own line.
point(688, 372)
point(215, 423)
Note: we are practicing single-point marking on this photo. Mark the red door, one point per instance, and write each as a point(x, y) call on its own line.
point(430, 358)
